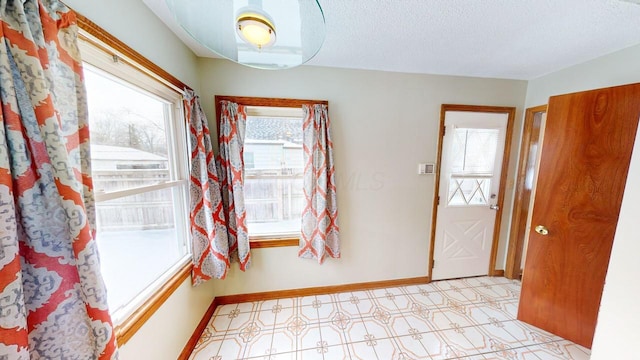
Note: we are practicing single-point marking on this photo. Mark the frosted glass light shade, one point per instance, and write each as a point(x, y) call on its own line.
point(299, 25)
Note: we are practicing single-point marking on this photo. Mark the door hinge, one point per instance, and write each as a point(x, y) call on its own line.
point(444, 130)
point(438, 199)
point(433, 264)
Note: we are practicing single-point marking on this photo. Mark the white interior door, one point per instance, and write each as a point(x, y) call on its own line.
point(472, 152)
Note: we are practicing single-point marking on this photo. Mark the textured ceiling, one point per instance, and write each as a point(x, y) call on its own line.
point(513, 39)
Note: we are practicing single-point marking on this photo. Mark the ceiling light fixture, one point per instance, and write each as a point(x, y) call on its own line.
point(256, 28)
point(244, 31)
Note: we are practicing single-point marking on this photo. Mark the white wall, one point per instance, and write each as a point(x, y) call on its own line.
point(166, 333)
point(383, 125)
point(617, 331)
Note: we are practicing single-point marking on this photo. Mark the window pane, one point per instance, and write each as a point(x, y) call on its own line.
point(468, 191)
point(128, 138)
point(137, 239)
point(474, 150)
point(273, 175)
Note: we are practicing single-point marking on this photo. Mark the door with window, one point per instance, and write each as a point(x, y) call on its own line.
point(469, 193)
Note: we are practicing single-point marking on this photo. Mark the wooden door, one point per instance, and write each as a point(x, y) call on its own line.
point(527, 173)
point(588, 140)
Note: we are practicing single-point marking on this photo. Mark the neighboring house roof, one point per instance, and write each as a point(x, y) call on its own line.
point(108, 152)
point(275, 128)
point(283, 143)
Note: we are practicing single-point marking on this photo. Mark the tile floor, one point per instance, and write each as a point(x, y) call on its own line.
point(468, 319)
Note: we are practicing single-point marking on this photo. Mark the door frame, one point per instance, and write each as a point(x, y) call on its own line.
point(510, 111)
point(515, 248)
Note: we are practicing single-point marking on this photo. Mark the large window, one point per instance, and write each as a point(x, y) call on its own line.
point(274, 165)
point(139, 170)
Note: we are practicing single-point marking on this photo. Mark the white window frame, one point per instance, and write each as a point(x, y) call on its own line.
point(109, 61)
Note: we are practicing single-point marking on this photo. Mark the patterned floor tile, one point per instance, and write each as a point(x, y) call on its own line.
point(231, 348)
point(284, 316)
point(432, 299)
point(306, 300)
point(450, 284)
point(511, 308)
point(310, 354)
point(471, 319)
point(434, 344)
point(260, 345)
point(248, 306)
point(497, 333)
point(387, 292)
point(419, 323)
point(283, 341)
point(527, 334)
point(266, 305)
point(207, 350)
point(326, 311)
point(224, 309)
point(356, 331)
point(417, 289)
point(288, 303)
point(387, 349)
point(411, 347)
point(348, 307)
point(490, 338)
point(362, 295)
point(403, 303)
point(522, 353)
point(243, 323)
point(561, 350)
point(363, 350)
point(266, 319)
point(486, 314)
point(499, 292)
point(332, 334)
point(309, 313)
point(385, 304)
point(378, 328)
point(457, 338)
point(309, 338)
point(337, 352)
point(366, 307)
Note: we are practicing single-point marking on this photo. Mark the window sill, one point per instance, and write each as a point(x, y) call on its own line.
point(260, 243)
point(129, 326)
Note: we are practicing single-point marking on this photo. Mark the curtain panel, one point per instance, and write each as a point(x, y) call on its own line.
point(320, 231)
point(53, 301)
point(209, 243)
point(231, 131)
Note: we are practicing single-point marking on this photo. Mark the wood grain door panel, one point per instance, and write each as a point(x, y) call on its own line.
point(589, 137)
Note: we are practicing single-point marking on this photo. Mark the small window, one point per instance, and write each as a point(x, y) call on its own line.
point(139, 177)
point(274, 165)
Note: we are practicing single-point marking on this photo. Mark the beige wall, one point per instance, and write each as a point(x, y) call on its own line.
point(134, 24)
point(618, 68)
point(166, 333)
point(617, 333)
point(383, 125)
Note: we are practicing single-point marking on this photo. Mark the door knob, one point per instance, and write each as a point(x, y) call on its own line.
point(494, 207)
point(542, 230)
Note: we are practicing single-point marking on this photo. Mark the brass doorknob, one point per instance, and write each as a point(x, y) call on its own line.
point(542, 230)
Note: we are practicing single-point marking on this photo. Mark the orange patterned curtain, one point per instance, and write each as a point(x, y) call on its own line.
point(209, 244)
point(320, 231)
point(53, 302)
point(233, 120)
